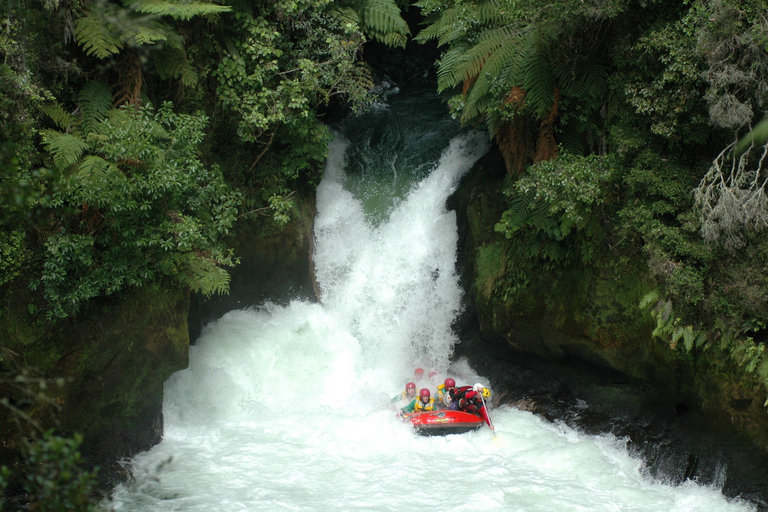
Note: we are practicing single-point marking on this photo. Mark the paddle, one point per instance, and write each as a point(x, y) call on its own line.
point(487, 414)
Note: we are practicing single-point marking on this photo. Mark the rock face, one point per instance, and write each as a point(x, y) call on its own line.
point(112, 364)
point(591, 323)
point(275, 265)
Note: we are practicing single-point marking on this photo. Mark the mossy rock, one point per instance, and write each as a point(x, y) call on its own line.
point(112, 361)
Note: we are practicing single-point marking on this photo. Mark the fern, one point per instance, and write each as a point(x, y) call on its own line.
point(174, 63)
point(178, 10)
point(66, 148)
point(204, 276)
point(97, 36)
point(63, 119)
point(539, 82)
point(95, 102)
point(148, 33)
point(450, 70)
point(648, 299)
point(382, 20)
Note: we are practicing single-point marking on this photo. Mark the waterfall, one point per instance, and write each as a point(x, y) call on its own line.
point(288, 407)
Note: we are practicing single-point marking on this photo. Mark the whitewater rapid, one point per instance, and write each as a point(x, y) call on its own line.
point(287, 408)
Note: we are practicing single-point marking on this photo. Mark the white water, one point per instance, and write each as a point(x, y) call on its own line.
point(287, 408)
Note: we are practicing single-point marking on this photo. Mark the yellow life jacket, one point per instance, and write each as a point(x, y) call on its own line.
point(420, 406)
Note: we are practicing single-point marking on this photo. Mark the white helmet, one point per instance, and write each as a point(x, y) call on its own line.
point(477, 387)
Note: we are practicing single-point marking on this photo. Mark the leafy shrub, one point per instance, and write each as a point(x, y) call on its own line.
point(143, 208)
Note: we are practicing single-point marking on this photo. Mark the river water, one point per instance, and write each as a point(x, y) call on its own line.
point(287, 408)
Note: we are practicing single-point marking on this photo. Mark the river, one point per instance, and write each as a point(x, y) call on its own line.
point(287, 407)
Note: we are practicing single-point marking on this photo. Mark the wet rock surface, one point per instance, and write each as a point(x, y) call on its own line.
point(675, 441)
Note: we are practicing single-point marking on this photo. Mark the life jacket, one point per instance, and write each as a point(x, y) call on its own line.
point(403, 397)
point(420, 406)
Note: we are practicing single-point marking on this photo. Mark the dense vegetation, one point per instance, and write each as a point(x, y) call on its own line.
point(134, 134)
point(626, 127)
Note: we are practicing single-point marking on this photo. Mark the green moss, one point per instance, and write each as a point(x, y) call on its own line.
point(489, 267)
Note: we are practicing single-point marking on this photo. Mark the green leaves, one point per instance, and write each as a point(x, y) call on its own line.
point(148, 211)
point(66, 148)
point(106, 28)
point(381, 20)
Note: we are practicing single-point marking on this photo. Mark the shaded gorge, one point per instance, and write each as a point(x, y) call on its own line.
point(287, 406)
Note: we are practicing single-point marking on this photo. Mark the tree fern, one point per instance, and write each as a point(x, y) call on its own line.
point(63, 119)
point(538, 82)
point(178, 10)
point(379, 19)
point(66, 148)
point(450, 71)
point(511, 61)
point(173, 63)
point(95, 102)
point(97, 35)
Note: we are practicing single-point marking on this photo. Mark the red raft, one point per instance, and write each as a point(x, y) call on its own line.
point(440, 423)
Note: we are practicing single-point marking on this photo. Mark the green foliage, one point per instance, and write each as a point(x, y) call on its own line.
point(544, 49)
point(12, 254)
point(106, 28)
point(146, 208)
point(57, 481)
point(378, 19)
point(665, 81)
point(277, 70)
point(557, 196)
point(553, 220)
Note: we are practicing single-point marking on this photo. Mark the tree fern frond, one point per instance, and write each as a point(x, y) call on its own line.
point(149, 32)
point(174, 63)
point(95, 101)
point(446, 28)
point(451, 24)
point(63, 119)
point(479, 54)
point(97, 36)
point(539, 82)
point(649, 299)
point(204, 276)
point(450, 71)
point(93, 165)
point(66, 148)
point(382, 19)
point(179, 10)
point(347, 15)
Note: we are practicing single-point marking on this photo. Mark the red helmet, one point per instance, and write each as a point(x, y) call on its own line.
point(450, 383)
point(418, 371)
point(424, 393)
point(433, 373)
point(410, 385)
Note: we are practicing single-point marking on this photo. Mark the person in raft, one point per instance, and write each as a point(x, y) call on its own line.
point(472, 399)
point(421, 404)
point(408, 395)
point(443, 396)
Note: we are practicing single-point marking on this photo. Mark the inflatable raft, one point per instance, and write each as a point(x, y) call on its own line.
point(440, 423)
